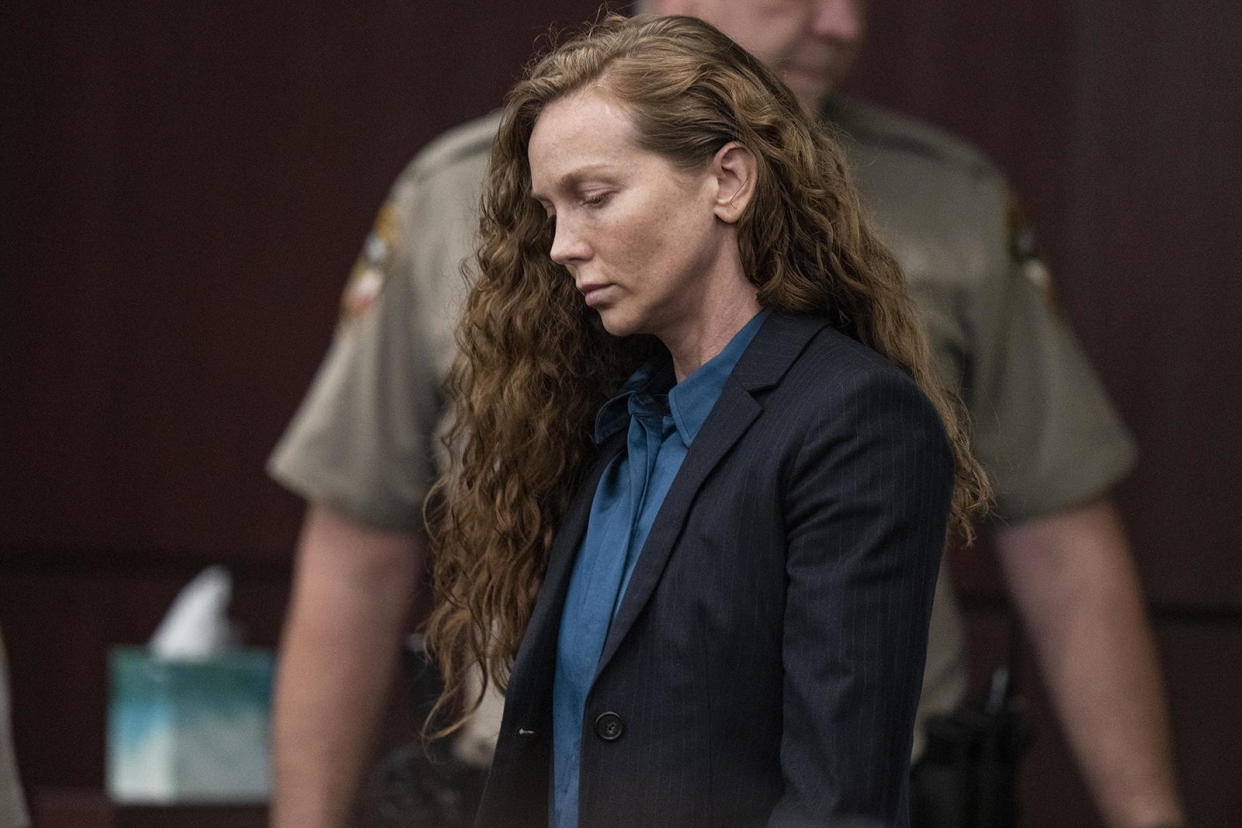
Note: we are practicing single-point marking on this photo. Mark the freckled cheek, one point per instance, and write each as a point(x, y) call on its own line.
point(637, 243)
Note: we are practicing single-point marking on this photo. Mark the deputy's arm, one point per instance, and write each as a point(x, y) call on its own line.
point(352, 591)
point(1073, 581)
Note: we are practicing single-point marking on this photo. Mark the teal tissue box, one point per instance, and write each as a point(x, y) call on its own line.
point(188, 731)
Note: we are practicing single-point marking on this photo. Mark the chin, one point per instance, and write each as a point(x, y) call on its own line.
point(617, 325)
point(618, 330)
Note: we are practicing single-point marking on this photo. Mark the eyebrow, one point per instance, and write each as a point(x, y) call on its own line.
point(573, 177)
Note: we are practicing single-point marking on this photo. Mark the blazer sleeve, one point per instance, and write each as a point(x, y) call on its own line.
point(866, 509)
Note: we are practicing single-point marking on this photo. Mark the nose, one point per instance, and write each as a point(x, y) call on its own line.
point(568, 245)
point(843, 20)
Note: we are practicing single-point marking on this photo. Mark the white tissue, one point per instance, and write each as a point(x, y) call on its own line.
point(196, 625)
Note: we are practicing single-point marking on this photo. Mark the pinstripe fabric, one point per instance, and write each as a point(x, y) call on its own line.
point(766, 658)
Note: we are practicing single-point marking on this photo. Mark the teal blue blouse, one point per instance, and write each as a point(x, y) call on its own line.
point(663, 420)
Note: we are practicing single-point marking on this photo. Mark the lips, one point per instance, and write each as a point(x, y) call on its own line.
point(594, 293)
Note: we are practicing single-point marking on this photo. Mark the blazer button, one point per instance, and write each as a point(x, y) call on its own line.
point(609, 727)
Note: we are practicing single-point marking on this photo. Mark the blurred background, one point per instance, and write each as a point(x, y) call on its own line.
point(185, 187)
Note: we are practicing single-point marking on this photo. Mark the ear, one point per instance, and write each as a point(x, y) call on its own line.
point(734, 169)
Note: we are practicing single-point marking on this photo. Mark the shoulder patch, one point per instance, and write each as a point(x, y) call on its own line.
point(370, 271)
point(1022, 248)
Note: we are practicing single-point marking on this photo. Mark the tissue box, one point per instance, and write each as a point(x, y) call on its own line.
point(188, 731)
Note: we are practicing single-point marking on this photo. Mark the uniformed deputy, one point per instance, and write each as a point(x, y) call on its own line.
point(362, 447)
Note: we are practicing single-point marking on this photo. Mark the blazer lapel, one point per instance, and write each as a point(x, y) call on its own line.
point(530, 681)
point(764, 362)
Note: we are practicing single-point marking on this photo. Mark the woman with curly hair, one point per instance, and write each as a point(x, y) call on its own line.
point(705, 588)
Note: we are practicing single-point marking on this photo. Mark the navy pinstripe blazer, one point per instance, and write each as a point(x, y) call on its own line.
point(764, 664)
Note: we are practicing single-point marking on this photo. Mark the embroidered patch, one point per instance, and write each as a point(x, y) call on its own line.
point(1022, 249)
point(370, 271)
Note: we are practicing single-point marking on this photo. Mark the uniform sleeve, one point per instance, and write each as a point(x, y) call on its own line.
point(362, 440)
point(866, 516)
point(1043, 425)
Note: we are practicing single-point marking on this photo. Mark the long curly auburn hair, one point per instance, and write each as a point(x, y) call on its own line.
point(535, 364)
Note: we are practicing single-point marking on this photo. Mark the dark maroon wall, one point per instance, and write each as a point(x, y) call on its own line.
point(186, 185)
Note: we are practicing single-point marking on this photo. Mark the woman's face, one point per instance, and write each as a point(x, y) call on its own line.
point(638, 235)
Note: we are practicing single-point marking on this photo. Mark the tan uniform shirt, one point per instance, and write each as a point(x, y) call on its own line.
point(364, 439)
